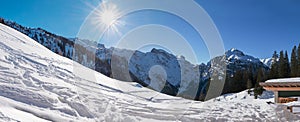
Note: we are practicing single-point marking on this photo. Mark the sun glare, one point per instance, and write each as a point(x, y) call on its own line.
point(108, 17)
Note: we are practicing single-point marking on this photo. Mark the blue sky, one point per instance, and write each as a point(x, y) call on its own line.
point(254, 26)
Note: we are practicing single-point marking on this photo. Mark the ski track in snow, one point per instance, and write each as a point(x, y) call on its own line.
point(38, 85)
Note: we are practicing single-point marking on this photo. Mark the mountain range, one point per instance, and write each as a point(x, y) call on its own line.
point(37, 85)
point(157, 69)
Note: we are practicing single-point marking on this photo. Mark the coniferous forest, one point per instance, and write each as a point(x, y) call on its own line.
point(281, 67)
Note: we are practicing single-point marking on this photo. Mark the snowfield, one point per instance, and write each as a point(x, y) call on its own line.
point(38, 85)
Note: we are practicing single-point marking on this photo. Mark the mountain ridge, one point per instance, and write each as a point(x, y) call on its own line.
point(175, 77)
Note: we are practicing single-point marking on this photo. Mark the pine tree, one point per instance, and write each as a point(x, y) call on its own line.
point(246, 77)
point(238, 81)
point(2, 20)
point(294, 62)
point(284, 67)
point(274, 67)
point(35, 37)
point(281, 70)
point(298, 67)
point(68, 55)
point(287, 65)
point(42, 41)
point(258, 90)
point(249, 84)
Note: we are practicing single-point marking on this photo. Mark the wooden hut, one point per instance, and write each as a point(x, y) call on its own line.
point(285, 90)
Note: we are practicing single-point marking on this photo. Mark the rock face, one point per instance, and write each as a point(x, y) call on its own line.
point(158, 69)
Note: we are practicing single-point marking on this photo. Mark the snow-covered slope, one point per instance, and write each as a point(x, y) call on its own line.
point(38, 85)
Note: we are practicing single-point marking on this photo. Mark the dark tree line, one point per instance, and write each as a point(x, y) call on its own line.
point(281, 67)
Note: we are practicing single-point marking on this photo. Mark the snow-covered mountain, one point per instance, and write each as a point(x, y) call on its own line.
point(158, 69)
point(240, 68)
point(39, 85)
point(237, 60)
point(234, 55)
point(267, 61)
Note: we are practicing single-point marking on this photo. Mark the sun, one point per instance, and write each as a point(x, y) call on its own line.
point(108, 17)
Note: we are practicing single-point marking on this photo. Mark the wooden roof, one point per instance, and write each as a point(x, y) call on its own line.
point(281, 86)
